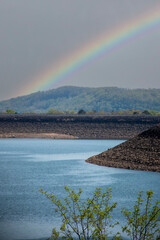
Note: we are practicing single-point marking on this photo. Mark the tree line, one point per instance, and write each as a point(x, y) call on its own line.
point(53, 111)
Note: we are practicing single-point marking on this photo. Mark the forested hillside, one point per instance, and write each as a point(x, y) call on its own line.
point(75, 98)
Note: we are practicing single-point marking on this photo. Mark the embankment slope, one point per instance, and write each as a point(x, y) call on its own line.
point(74, 126)
point(138, 153)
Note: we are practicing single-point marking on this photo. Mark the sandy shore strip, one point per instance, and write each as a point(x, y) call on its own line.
point(37, 135)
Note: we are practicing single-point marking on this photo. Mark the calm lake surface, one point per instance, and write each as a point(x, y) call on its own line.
point(29, 164)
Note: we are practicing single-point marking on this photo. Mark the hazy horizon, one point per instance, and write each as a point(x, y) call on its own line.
point(36, 35)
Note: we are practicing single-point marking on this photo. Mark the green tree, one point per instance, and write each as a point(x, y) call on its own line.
point(143, 221)
point(10, 111)
point(54, 111)
point(69, 112)
point(146, 112)
point(90, 219)
point(81, 111)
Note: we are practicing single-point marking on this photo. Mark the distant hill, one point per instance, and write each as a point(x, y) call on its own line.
point(76, 98)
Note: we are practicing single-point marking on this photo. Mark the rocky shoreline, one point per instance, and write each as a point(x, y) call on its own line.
point(74, 126)
point(139, 153)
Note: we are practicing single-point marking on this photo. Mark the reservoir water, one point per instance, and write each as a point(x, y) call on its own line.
point(29, 164)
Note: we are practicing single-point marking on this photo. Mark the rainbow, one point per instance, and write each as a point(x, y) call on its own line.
point(101, 46)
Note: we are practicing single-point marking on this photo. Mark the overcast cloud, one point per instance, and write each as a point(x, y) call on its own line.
point(36, 34)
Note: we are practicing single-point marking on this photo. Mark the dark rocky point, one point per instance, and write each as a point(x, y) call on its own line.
point(138, 153)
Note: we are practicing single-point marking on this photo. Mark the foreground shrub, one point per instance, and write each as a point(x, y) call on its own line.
point(90, 219)
point(143, 221)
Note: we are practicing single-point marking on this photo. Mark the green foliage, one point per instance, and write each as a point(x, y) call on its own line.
point(142, 222)
point(10, 111)
point(69, 112)
point(54, 111)
point(90, 219)
point(146, 112)
point(151, 112)
point(57, 112)
point(81, 111)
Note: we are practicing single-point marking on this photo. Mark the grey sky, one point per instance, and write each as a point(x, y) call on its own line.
point(36, 34)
